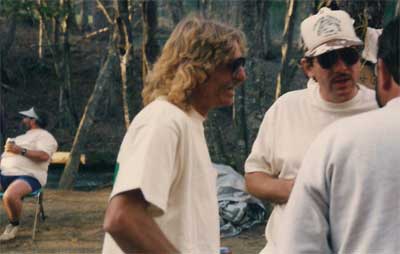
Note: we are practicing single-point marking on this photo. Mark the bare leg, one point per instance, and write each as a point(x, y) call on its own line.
point(12, 199)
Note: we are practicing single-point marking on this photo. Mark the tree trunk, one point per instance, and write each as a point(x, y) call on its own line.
point(266, 29)
point(282, 81)
point(5, 46)
point(104, 80)
point(253, 22)
point(40, 34)
point(262, 26)
point(2, 116)
point(67, 115)
point(204, 6)
point(176, 10)
point(150, 48)
point(246, 107)
point(101, 18)
point(125, 56)
point(84, 13)
point(51, 32)
point(6, 43)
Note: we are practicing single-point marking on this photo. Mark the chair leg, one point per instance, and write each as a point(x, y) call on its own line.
point(37, 211)
point(42, 215)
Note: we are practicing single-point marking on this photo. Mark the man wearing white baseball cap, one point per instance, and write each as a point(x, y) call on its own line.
point(346, 196)
point(331, 61)
point(23, 166)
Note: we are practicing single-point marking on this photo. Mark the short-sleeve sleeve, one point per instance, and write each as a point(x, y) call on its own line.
point(146, 161)
point(47, 143)
point(262, 152)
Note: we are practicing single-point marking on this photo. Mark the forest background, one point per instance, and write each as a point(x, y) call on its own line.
point(83, 62)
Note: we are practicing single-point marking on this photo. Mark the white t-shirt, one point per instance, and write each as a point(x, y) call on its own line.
point(346, 198)
point(164, 154)
point(288, 128)
point(16, 164)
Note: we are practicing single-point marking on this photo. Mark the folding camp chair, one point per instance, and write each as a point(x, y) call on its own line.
point(39, 211)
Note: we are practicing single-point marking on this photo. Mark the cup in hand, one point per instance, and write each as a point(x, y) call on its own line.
point(9, 143)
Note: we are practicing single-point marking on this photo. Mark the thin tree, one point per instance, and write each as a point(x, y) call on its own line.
point(250, 13)
point(56, 16)
point(282, 84)
point(84, 13)
point(5, 46)
point(104, 80)
point(150, 47)
point(2, 116)
point(40, 34)
point(66, 106)
point(126, 55)
point(204, 6)
point(176, 10)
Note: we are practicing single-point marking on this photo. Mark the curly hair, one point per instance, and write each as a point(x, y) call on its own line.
point(193, 51)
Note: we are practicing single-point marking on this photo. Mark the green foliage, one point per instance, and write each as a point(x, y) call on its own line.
point(22, 8)
point(52, 10)
point(30, 9)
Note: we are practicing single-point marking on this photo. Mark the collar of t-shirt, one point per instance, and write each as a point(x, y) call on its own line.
point(395, 102)
point(192, 113)
point(196, 116)
point(318, 101)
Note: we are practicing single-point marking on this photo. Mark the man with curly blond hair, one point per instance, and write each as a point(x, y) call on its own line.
point(164, 199)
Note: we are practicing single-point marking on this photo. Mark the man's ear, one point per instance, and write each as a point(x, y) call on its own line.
point(307, 67)
point(384, 76)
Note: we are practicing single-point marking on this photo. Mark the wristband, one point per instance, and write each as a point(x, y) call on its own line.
point(23, 151)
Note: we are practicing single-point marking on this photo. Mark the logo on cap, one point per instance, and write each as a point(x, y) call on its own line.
point(327, 26)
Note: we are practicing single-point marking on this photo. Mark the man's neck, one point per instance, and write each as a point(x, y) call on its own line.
point(339, 99)
point(200, 108)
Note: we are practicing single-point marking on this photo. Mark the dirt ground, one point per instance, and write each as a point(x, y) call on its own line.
point(73, 225)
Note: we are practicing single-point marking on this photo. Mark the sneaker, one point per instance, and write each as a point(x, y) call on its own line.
point(9, 233)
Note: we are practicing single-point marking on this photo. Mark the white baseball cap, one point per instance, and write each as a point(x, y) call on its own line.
point(328, 30)
point(30, 113)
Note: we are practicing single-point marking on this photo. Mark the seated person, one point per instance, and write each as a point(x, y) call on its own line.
point(23, 166)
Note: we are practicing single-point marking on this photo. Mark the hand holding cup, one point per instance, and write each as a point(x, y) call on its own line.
point(10, 146)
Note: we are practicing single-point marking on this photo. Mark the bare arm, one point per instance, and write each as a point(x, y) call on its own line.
point(269, 188)
point(129, 224)
point(31, 154)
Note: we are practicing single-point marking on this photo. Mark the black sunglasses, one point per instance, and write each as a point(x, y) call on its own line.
point(349, 56)
point(236, 64)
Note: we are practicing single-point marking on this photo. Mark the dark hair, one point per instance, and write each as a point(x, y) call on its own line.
point(42, 121)
point(309, 60)
point(389, 48)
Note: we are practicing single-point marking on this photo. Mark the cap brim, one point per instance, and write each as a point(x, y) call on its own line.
point(332, 45)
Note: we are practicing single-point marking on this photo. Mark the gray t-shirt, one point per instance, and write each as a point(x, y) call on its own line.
point(346, 198)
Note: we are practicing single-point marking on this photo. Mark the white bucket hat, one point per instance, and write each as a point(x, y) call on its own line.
point(30, 113)
point(328, 30)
